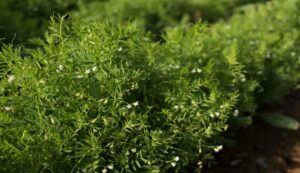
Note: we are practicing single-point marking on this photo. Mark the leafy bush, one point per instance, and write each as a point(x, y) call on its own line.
point(23, 19)
point(107, 98)
point(99, 97)
point(267, 38)
point(156, 15)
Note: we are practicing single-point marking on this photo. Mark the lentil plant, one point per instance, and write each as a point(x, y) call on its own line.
point(99, 97)
point(104, 96)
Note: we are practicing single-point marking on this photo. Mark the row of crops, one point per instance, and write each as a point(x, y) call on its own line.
point(136, 85)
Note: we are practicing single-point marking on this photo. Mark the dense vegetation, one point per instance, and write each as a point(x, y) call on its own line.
point(99, 94)
point(267, 38)
point(156, 15)
point(23, 19)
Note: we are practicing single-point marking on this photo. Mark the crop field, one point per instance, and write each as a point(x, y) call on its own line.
point(121, 86)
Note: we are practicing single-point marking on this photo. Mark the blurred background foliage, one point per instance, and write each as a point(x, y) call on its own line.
point(23, 19)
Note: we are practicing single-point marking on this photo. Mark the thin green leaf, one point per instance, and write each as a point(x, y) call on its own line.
point(281, 121)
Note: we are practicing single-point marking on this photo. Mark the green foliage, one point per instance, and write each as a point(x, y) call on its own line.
point(281, 121)
point(23, 19)
point(105, 97)
point(96, 96)
point(267, 39)
point(156, 15)
point(3, 67)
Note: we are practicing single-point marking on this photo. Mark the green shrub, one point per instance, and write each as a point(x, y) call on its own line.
point(156, 15)
point(23, 19)
point(100, 97)
point(268, 40)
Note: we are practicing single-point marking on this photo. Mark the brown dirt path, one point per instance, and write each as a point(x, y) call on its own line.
point(262, 148)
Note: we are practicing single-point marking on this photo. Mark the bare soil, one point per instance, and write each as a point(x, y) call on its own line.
point(261, 148)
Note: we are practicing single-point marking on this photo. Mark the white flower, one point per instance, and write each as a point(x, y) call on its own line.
point(135, 103)
point(135, 85)
point(133, 150)
point(10, 78)
point(176, 158)
point(221, 106)
point(94, 69)
point(174, 66)
point(120, 49)
point(173, 164)
point(243, 78)
point(110, 167)
point(196, 70)
point(212, 115)
point(225, 127)
point(129, 106)
point(42, 81)
point(293, 54)
point(87, 71)
point(236, 113)
point(200, 164)
point(217, 114)
point(218, 148)
point(79, 76)
point(176, 107)
point(60, 67)
point(7, 108)
point(104, 170)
